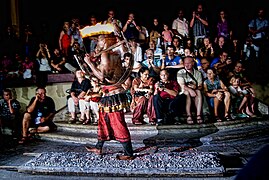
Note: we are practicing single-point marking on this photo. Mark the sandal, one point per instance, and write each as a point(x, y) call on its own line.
point(199, 119)
point(24, 140)
point(32, 132)
point(228, 118)
point(72, 121)
point(137, 123)
point(189, 119)
point(80, 121)
point(87, 121)
point(153, 123)
point(218, 119)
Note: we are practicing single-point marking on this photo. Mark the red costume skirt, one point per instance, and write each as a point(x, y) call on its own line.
point(111, 123)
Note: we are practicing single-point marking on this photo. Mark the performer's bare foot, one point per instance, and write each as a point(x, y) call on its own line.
point(125, 157)
point(94, 150)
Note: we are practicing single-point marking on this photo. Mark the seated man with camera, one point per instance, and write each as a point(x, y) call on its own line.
point(191, 83)
point(166, 99)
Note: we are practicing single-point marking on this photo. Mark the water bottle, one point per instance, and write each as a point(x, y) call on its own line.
point(38, 118)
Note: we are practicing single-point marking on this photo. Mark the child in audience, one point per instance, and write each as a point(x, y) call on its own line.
point(241, 98)
point(89, 104)
point(167, 35)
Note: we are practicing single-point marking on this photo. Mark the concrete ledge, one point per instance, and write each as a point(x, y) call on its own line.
point(60, 78)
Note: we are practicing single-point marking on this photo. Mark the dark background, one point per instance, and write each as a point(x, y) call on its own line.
point(49, 15)
point(52, 13)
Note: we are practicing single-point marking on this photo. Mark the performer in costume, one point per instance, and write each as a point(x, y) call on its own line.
point(106, 66)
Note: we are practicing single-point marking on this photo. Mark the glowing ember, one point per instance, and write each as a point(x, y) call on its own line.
point(96, 30)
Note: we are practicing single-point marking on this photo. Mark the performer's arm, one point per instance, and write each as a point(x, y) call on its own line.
point(97, 72)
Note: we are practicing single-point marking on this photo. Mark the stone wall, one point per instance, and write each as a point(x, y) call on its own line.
point(262, 92)
point(55, 90)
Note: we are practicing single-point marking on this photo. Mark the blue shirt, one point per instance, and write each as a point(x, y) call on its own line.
point(172, 62)
point(214, 61)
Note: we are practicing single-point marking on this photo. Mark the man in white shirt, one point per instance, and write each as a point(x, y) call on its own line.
point(180, 25)
point(190, 81)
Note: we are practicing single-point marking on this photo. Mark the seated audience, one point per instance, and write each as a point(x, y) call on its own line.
point(190, 81)
point(89, 105)
point(166, 100)
point(171, 61)
point(43, 58)
point(216, 92)
point(128, 82)
point(137, 52)
point(206, 50)
point(177, 44)
point(223, 65)
point(28, 67)
point(240, 71)
point(205, 64)
point(10, 113)
point(188, 52)
point(157, 51)
point(57, 62)
point(242, 99)
point(142, 93)
point(39, 115)
point(78, 90)
point(153, 65)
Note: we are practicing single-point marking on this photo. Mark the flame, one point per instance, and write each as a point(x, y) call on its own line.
point(96, 30)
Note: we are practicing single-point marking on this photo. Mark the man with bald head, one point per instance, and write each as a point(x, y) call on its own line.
point(191, 82)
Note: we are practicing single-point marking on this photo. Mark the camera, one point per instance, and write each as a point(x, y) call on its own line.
point(161, 84)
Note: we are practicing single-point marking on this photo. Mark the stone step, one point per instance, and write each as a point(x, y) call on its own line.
point(243, 132)
point(135, 129)
point(164, 134)
point(161, 134)
point(90, 138)
point(63, 117)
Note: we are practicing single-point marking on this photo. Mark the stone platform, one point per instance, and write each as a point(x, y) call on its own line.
point(169, 164)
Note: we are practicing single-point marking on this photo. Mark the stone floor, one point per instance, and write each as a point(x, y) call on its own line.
point(178, 152)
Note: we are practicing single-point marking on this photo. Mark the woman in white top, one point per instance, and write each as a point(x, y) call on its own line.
point(43, 58)
point(138, 56)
